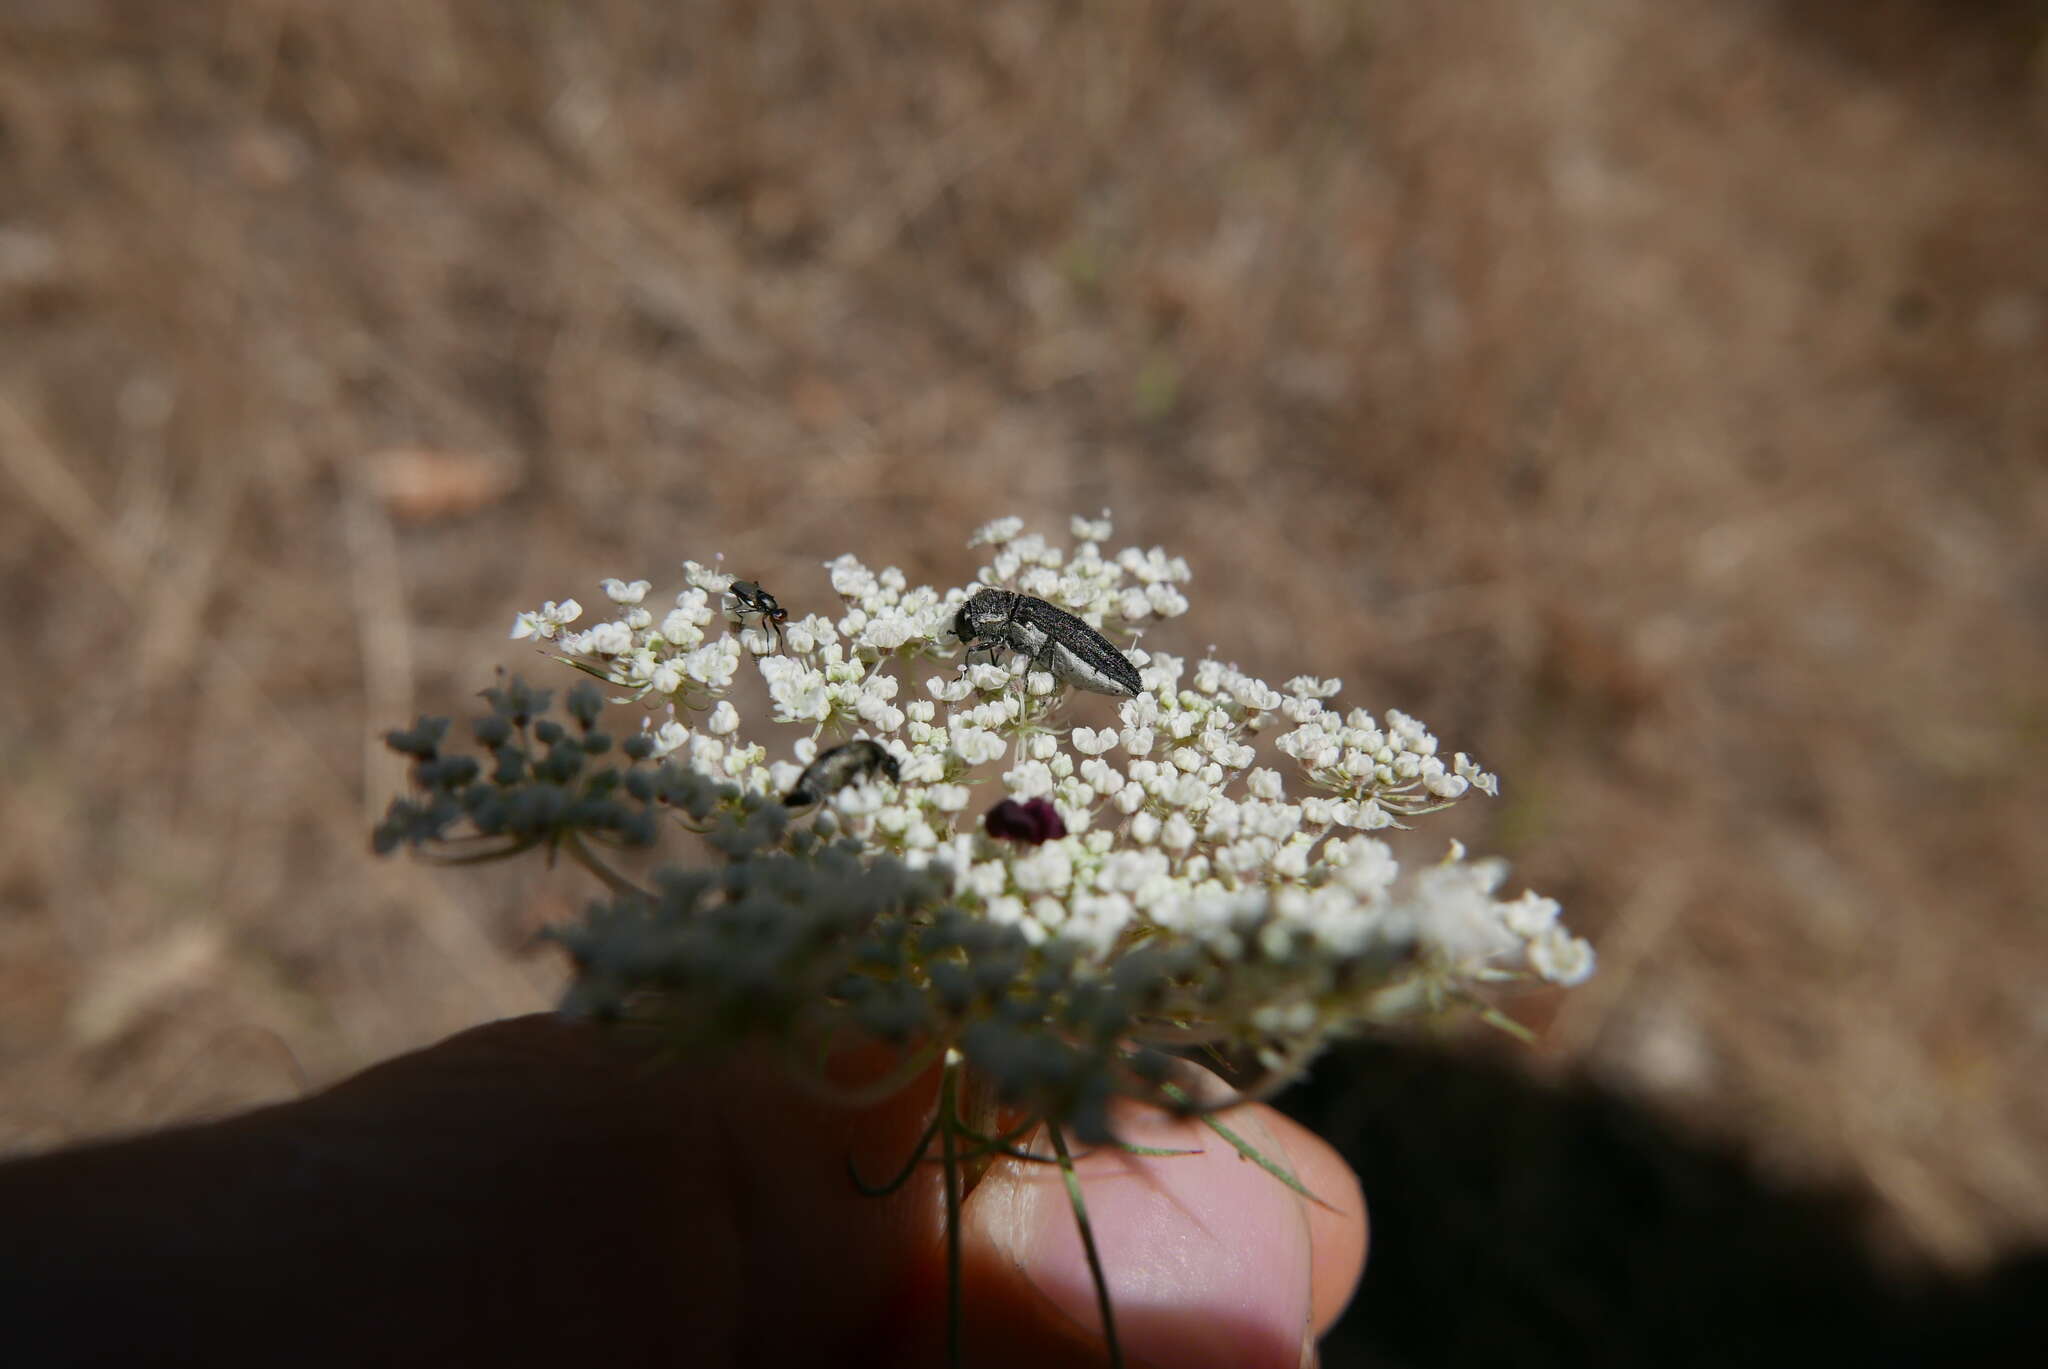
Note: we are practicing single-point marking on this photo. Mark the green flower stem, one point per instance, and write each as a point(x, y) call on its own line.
point(1087, 1228)
point(947, 1122)
point(580, 852)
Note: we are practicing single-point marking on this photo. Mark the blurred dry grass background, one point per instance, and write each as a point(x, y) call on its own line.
point(1654, 398)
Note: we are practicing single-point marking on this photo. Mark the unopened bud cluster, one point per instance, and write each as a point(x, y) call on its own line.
point(1050, 900)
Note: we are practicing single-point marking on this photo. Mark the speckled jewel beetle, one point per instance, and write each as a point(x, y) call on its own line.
point(1053, 639)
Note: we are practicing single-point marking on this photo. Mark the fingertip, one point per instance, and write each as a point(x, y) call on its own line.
point(1207, 1257)
point(1339, 1225)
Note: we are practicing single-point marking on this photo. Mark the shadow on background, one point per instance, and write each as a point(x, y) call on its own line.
point(1519, 1222)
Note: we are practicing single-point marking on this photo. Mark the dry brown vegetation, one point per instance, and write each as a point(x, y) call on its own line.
point(1651, 397)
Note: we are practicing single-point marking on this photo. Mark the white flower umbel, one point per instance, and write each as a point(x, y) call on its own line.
point(1220, 821)
point(901, 843)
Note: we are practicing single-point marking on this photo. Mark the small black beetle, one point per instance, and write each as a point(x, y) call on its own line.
point(1054, 640)
point(838, 767)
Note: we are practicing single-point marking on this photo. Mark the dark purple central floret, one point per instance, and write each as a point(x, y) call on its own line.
point(1033, 822)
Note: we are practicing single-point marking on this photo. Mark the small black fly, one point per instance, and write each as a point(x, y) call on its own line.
point(838, 767)
point(752, 601)
point(1053, 639)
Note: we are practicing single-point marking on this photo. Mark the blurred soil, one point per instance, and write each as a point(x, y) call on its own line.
point(1653, 398)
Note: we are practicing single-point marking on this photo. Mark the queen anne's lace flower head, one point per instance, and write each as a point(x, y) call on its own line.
point(1201, 863)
